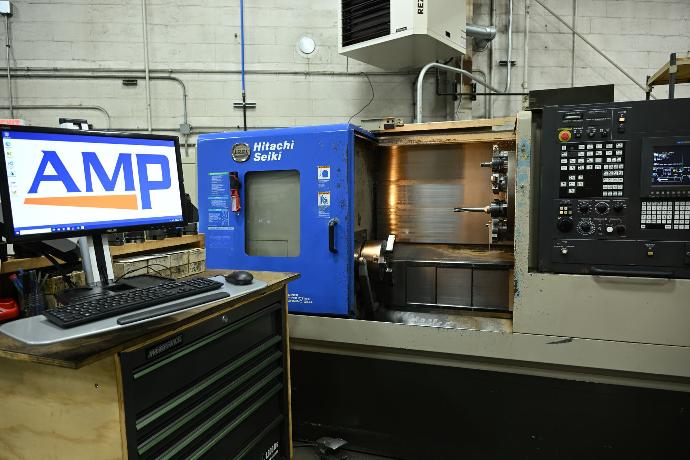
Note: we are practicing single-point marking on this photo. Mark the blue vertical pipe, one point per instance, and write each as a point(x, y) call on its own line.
point(244, 93)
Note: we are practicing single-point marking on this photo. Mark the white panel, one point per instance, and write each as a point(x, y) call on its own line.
point(418, 35)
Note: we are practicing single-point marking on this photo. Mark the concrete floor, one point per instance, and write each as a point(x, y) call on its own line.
point(308, 453)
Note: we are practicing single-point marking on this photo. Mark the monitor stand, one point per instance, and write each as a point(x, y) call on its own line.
point(96, 259)
point(98, 270)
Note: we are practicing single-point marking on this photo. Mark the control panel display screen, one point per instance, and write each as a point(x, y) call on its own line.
point(671, 165)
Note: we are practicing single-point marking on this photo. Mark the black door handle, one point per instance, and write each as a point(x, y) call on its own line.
point(331, 235)
point(631, 272)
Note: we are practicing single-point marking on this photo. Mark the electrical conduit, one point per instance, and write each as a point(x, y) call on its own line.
point(144, 25)
point(244, 89)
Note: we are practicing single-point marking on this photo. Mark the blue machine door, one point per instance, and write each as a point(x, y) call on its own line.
point(293, 194)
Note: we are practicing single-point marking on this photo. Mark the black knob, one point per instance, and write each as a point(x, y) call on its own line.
point(620, 230)
point(618, 207)
point(585, 227)
point(602, 208)
point(584, 208)
point(565, 224)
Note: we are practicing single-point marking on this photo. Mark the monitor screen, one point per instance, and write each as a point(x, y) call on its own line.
point(58, 183)
point(671, 165)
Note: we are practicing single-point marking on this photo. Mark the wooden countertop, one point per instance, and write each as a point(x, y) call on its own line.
point(80, 352)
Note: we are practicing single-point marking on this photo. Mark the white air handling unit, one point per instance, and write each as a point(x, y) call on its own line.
point(402, 34)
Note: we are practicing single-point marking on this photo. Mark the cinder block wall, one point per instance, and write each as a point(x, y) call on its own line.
point(638, 35)
point(197, 42)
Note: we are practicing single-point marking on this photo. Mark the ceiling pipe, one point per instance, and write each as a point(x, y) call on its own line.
point(105, 113)
point(481, 34)
point(147, 77)
point(432, 65)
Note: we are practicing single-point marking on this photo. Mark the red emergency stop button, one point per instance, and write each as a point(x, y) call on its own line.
point(565, 135)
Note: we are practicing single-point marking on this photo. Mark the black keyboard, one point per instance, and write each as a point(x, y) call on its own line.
point(94, 309)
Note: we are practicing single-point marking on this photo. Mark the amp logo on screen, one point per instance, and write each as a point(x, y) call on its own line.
point(52, 170)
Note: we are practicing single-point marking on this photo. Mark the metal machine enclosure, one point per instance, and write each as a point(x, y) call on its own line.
point(615, 189)
point(643, 310)
point(297, 195)
point(399, 34)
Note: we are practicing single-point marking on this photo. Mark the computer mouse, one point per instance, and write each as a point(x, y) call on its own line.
point(239, 278)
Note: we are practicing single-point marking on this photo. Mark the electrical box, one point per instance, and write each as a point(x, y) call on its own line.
point(402, 34)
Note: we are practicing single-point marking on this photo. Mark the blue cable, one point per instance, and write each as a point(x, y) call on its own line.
point(242, 40)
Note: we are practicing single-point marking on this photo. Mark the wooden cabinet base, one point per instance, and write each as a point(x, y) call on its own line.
point(49, 412)
point(215, 386)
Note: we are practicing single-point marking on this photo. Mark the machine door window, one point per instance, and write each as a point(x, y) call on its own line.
point(272, 217)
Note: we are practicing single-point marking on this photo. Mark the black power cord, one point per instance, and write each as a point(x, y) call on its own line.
point(148, 266)
point(373, 94)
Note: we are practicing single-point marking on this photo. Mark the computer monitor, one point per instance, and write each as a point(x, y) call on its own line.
point(57, 183)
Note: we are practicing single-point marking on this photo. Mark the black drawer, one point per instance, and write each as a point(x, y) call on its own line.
point(215, 390)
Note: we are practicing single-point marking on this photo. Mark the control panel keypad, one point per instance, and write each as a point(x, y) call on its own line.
point(665, 215)
point(592, 169)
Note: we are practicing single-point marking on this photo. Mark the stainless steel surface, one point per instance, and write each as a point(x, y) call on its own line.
point(420, 287)
point(490, 288)
point(37, 330)
point(432, 276)
point(418, 187)
point(454, 286)
point(449, 255)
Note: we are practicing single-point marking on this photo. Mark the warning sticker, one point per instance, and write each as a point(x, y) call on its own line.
point(324, 173)
point(324, 204)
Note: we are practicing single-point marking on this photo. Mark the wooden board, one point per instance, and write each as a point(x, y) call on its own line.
point(195, 241)
point(449, 125)
point(682, 76)
point(54, 413)
point(449, 138)
point(80, 352)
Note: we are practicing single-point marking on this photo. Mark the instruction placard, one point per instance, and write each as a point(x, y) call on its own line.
point(324, 204)
point(324, 173)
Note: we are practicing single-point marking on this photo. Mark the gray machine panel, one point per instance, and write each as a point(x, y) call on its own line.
point(611, 308)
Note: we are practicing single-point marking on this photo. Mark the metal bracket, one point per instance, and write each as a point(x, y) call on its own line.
point(240, 105)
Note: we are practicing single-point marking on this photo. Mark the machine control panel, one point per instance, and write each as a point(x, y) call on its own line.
point(592, 169)
point(615, 189)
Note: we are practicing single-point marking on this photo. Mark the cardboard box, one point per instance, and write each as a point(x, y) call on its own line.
point(130, 266)
point(178, 258)
point(197, 267)
point(196, 255)
point(180, 271)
